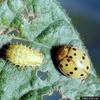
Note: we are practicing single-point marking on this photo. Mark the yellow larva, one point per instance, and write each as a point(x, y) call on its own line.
point(24, 56)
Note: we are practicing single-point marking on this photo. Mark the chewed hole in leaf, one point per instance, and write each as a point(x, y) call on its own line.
point(42, 75)
point(56, 95)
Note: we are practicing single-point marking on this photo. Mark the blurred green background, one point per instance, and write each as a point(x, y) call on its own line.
point(85, 16)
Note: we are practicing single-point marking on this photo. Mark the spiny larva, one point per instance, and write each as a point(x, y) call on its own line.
point(24, 56)
point(73, 62)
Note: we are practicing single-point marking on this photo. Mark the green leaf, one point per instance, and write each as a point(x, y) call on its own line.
point(42, 25)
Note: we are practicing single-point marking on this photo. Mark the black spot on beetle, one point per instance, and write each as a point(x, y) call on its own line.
point(66, 64)
point(83, 57)
point(67, 74)
point(68, 60)
point(74, 49)
point(71, 72)
point(75, 68)
point(74, 54)
point(87, 67)
point(82, 75)
point(70, 57)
